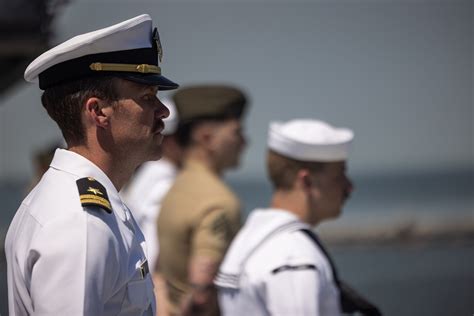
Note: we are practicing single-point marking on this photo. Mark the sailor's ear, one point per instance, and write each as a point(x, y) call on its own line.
point(305, 181)
point(97, 112)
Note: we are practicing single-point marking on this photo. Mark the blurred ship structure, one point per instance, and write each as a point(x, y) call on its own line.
point(26, 30)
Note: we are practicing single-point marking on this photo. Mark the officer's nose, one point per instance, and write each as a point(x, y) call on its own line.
point(162, 111)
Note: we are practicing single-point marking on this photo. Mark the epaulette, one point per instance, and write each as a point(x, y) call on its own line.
point(92, 193)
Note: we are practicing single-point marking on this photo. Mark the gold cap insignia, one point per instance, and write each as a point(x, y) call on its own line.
point(159, 48)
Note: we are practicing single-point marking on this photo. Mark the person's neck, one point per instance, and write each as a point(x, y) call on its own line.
point(113, 167)
point(293, 202)
point(202, 156)
point(172, 160)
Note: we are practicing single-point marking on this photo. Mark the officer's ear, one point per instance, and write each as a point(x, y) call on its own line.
point(97, 112)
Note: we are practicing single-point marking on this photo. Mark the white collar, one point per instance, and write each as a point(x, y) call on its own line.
point(75, 164)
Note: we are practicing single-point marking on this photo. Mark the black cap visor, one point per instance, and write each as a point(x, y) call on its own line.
point(162, 82)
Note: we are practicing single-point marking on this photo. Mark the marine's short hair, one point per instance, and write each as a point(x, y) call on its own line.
point(283, 170)
point(185, 129)
point(64, 103)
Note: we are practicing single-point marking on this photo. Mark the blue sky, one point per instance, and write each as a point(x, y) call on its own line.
point(399, 73)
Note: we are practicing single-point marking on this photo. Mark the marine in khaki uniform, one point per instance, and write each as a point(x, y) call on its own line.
point(200, 215)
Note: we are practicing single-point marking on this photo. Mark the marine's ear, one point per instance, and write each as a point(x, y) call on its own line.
point(97, 113)
point(203, 133)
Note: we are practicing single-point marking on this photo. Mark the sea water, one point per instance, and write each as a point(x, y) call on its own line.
point(431, 277)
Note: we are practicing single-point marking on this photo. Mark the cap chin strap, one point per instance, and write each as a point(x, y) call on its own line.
point(141, 68)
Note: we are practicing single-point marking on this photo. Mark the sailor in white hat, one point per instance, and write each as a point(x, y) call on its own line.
point(73, 247)
point(276, 264)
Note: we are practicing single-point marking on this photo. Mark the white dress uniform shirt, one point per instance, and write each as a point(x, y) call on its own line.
point(273, 268)
point(144, 195)
point(66, 259)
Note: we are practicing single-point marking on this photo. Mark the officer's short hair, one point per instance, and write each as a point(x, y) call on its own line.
point(283, 170)
point(64, 103)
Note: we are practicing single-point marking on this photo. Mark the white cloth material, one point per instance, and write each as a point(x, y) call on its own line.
point(144, 195)
point(130, 34)
point(272, 268)
point(171, 122)
point(309, 140)
point(66, 259)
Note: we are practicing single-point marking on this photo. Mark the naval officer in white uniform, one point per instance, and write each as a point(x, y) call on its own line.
point(276, 264)
point(73, 247)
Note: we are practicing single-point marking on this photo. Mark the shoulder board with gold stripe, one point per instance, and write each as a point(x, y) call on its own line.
point(92, 193)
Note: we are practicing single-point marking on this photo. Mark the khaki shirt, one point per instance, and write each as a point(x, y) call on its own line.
point(200, 216)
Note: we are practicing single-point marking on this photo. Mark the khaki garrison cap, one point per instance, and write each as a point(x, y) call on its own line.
point(208, 102)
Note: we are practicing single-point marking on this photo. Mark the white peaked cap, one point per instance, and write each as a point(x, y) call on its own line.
point(108, 51)
point(171, 122)
point(309, 140)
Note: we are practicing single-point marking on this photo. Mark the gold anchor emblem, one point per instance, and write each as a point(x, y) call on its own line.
point(159, 48)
